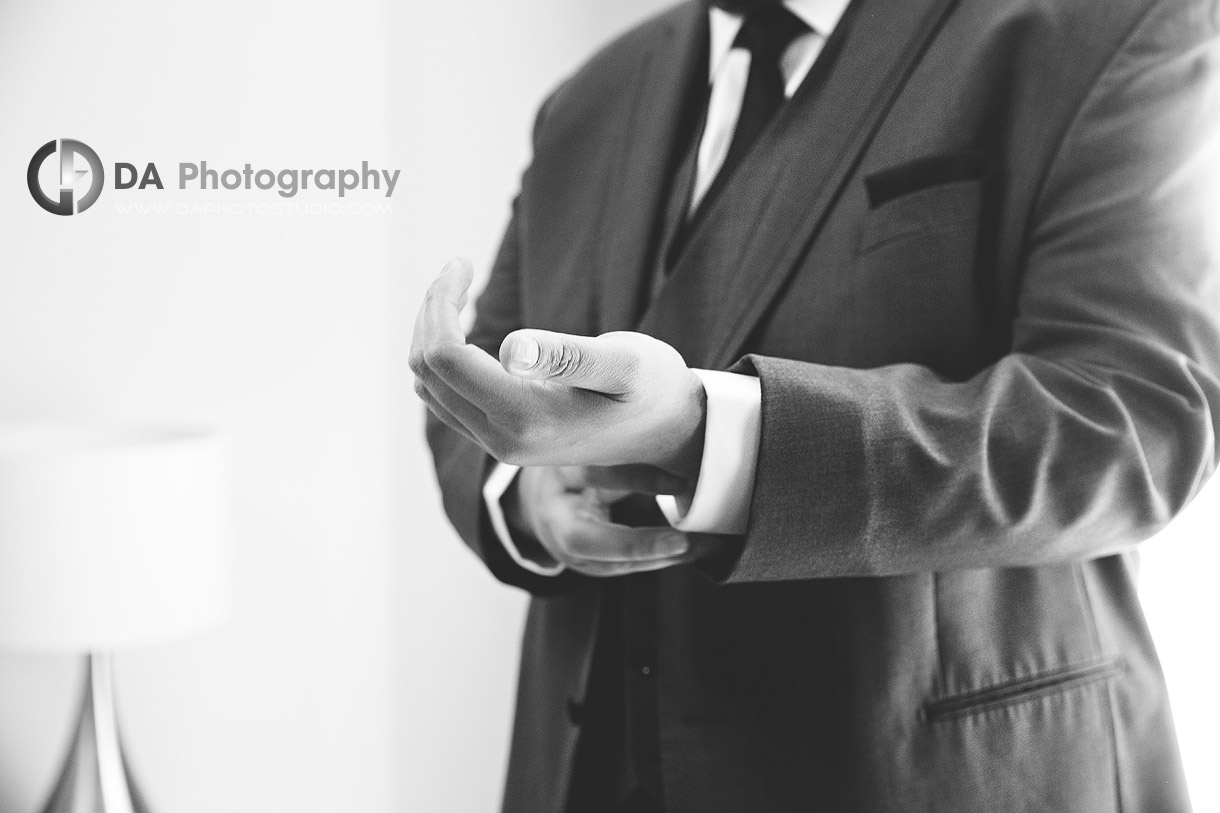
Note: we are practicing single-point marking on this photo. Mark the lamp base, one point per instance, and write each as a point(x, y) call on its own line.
point(95, 777)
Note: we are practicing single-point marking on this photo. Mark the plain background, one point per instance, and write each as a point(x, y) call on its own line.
point(371, 662)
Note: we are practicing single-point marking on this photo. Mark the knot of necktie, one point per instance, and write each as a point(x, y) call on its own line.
point(768, 31)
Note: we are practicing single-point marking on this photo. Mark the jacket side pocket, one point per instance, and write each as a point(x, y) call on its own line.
point(1021, 690)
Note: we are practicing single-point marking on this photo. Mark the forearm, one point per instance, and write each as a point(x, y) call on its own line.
point(1098, 425)
point(891, 471)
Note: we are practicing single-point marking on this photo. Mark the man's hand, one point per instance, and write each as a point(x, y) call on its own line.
point(567, 510)
point(556, 399)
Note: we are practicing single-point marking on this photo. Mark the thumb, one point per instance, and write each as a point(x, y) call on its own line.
point(608, 363)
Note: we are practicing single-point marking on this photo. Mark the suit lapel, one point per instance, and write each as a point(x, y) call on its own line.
point(638, 180)
point(754, 235)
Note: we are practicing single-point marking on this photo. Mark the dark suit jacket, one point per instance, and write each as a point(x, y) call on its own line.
point(969, 265)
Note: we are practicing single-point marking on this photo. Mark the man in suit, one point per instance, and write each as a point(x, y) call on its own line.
point(908, 311)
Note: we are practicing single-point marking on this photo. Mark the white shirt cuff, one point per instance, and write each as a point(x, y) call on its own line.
point(721, 502)
point(494, 489)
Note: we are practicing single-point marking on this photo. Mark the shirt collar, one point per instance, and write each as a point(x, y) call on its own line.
point(820, 15)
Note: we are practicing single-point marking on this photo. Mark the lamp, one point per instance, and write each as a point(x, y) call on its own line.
point(111, 536)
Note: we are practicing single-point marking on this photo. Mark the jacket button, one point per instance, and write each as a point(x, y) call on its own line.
point(576, 710)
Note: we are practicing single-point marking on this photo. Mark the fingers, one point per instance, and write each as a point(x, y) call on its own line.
point(459, 382)
point(609, 363)
point(581, 533)
point(447, 296)
point(595, 540)
point(702, 546)
point(634, 478)
point(609, 484)
point(443, 414)
point(573, 524)
point(607, 571)
point(437, 326)
point(437, 322)
point(450, 368)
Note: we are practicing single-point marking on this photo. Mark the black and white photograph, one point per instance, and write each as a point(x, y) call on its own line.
point(696, 406)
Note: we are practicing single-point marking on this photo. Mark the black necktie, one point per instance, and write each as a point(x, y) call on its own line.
point(766, 33)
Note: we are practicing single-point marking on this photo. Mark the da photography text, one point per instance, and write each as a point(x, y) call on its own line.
point(65, 177)
point(286, 182)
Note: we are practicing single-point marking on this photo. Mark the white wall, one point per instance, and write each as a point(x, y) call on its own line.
point(372, 661)
point(277, 328)
point(1178, 586)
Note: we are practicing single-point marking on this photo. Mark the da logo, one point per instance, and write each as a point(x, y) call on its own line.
point(75, 161)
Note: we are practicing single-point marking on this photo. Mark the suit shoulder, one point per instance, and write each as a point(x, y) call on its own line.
point(1115, 23)
point(608, 75)
point(1165, 22)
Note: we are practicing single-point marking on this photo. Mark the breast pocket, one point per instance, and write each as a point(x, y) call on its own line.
point(917, 277)
point(937, 217)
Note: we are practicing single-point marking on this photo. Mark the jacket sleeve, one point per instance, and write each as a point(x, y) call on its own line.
point(1098, 425)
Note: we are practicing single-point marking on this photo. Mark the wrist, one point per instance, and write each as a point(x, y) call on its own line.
point(688, 458)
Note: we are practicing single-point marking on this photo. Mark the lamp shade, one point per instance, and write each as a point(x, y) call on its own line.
point(111, 536)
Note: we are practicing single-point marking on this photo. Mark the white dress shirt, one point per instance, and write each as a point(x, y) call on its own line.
point(721, 499)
